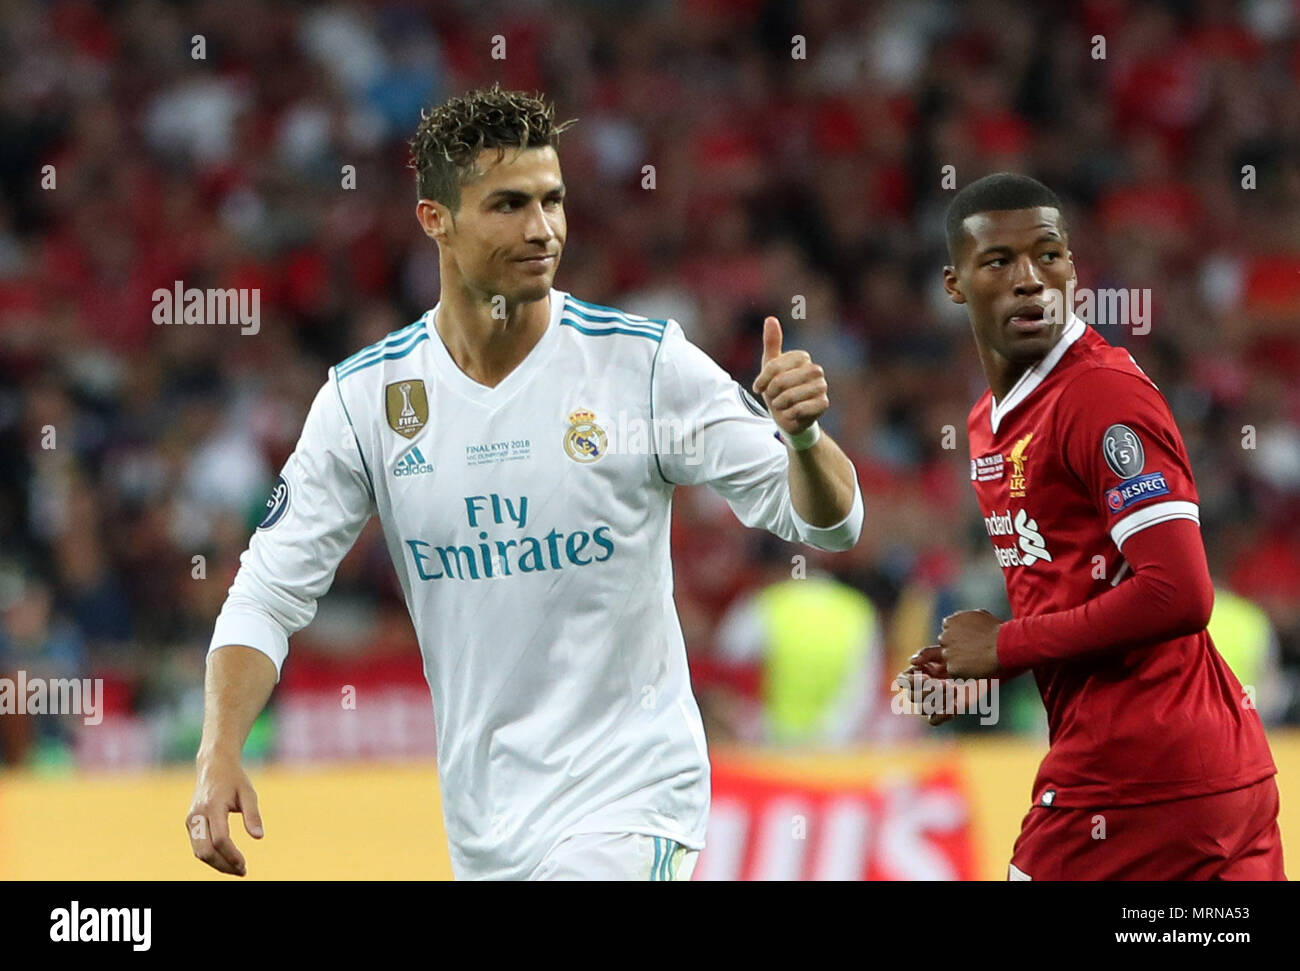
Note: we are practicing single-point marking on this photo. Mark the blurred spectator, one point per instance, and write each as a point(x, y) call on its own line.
point(1243, 635)
point(807, 654)
point(35, 643)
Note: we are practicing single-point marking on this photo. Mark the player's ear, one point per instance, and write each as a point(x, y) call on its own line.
point(951, 285)
point(434, 218)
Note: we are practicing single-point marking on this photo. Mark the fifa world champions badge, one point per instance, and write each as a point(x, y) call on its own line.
point(585, 441)
point(406, 406)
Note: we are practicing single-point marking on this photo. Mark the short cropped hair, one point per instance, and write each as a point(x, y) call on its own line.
point(450, 136)
point(1002, 190)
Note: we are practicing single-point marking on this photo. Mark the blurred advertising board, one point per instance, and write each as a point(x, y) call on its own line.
point(766, 826)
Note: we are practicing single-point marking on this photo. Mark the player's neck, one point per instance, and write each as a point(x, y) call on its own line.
point(485, 339)
point(1003, 373)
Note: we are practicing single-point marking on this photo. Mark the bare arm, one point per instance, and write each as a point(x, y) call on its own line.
point(821, 483)
point(317, 509)
point(822, 479)
point(238, 683)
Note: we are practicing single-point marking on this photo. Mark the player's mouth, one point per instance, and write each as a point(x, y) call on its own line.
point(1028, 319)
point(543, 262)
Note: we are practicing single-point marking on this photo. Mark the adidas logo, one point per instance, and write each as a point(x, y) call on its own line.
point(412, 463)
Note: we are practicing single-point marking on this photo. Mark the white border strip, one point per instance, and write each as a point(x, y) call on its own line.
point(1159, 513)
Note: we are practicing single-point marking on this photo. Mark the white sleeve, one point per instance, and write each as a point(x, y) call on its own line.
point(711, 431)
point(317, 509)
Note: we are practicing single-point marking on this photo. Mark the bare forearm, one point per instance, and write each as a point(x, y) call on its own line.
point(238, 684)
point(822, 482)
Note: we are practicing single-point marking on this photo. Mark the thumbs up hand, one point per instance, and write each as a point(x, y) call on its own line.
point(793, 387)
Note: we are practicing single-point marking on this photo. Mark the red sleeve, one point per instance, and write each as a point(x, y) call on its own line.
point(1169, 595)
point(1120, 441)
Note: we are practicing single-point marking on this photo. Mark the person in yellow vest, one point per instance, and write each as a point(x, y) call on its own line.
point(1244, 637)
point(821, 652)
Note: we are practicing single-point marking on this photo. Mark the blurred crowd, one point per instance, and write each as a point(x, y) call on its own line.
point(800, 150)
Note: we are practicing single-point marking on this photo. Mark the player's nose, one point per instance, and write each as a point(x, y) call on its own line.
point(537, 228)
point(1025, 277)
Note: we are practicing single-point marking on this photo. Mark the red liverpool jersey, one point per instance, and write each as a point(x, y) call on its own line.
point(1081, 455)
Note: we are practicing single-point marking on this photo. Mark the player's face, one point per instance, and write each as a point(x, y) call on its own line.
point(507, 236)
point(1010, 262)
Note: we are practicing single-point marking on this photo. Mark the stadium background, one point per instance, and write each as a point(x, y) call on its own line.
point(775, 176)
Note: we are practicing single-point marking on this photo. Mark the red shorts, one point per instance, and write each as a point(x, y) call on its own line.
point(1224, 836)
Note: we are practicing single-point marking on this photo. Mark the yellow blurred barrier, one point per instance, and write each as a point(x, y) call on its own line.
point(339, 822)
point(381, 822)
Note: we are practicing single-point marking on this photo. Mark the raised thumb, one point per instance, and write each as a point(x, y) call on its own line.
point(771, 339)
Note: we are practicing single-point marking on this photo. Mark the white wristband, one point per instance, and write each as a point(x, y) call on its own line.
point(805, 440)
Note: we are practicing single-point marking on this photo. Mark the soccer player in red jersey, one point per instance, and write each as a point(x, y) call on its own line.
point(1158, 768)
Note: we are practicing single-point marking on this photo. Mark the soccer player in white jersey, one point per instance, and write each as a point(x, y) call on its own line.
point(520, 447)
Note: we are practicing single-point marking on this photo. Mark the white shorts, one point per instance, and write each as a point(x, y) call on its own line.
point(617, 856)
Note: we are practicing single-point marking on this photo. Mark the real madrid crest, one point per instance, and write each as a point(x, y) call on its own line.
point(585, 440)
point(406, 406)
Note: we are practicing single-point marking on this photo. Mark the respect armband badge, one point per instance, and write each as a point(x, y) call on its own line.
point(1136, 490)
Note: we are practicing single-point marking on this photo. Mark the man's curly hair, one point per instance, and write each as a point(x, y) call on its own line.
point(451, 135)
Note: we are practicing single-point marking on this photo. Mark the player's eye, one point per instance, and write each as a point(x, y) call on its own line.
point(1054, 254)
point(996, 261)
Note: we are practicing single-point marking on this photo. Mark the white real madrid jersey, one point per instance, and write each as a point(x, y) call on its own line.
point(528, 524)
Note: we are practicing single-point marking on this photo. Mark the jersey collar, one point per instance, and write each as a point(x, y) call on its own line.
point(467, 386)
point(1033, 377)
